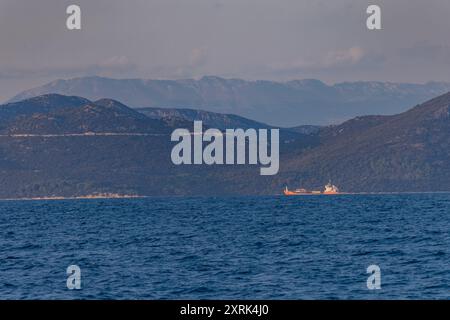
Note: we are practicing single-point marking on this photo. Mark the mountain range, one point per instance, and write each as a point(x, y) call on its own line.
point(285, 104)
point(56, 114)
point(55, 145)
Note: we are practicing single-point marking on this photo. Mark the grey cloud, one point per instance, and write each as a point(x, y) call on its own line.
point(274, 39)
point(335, 61)
point(112, 66)
point(424, 51)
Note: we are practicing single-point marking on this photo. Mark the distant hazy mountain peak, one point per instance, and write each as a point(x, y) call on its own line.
point(308, 82)
point(212, 78)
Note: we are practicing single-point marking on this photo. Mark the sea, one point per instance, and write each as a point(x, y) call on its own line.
point(310, 247)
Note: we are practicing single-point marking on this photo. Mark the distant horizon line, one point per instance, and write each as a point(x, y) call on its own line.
point(211, 76)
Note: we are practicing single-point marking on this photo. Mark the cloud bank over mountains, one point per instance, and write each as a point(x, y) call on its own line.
point(256, 39)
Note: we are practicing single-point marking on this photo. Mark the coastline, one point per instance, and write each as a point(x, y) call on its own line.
point(86, 197)
point(119, 196)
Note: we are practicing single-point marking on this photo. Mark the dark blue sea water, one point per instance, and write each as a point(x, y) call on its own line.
point(227, 248)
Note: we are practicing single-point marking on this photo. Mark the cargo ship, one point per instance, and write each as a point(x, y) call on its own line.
point(328, 189)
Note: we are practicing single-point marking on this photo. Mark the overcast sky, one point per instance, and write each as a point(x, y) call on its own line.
point(250, 39)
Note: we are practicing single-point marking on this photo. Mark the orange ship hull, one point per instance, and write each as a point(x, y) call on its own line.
point(292, 193)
